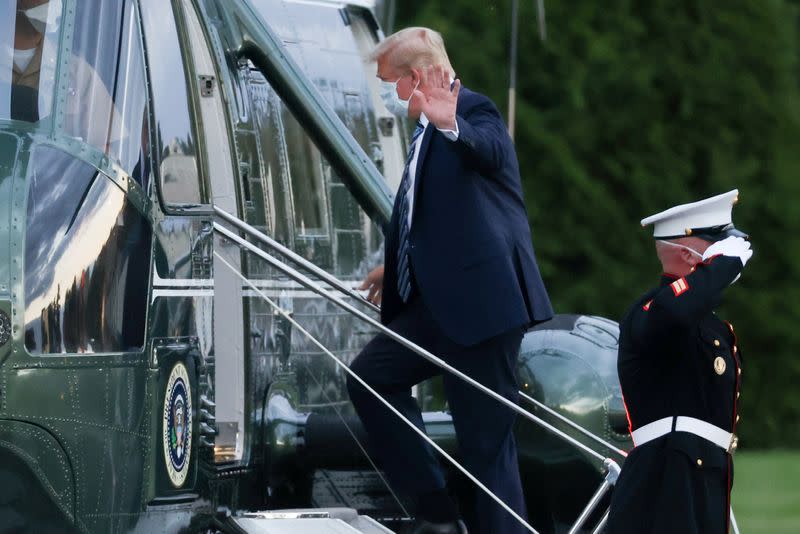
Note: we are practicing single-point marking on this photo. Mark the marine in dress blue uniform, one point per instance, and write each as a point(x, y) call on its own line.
point(680, 368)
point(460, 279)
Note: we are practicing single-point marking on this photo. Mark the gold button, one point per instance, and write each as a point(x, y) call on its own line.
point(737, 418)
point(737, 394)
point(739, 371)
point(716, 342)
point(688, 231)
point(719, 365)
point(699, 462)
point(735, 349)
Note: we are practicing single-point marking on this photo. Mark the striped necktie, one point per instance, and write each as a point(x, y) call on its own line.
point(403, 270)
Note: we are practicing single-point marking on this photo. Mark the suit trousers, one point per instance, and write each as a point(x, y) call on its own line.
point(483, 426)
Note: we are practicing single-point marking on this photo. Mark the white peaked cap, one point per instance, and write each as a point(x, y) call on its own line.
point(710, 219)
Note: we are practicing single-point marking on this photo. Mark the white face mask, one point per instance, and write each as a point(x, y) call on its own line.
point(690, 249)
point(392, 101)
point(43, 15)
point(23, 58)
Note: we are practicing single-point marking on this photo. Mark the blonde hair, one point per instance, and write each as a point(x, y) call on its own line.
point(413, 48)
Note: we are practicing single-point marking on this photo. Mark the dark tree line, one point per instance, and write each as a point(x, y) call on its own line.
point(632, 106)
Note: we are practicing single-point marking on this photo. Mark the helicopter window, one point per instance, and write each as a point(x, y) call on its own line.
point(308, 181)
point(87, 255)
point(329, 226)
point(29, 31)
point(267, 108)
point(178, 163)
point(101, 94)
point(106, 94)
point(295, 176)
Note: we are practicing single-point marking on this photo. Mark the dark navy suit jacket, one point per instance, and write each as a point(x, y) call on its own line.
point(471, 252)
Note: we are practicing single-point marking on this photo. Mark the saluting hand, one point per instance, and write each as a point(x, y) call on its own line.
point(733, 246)
point(736, 247)
point(438, 102)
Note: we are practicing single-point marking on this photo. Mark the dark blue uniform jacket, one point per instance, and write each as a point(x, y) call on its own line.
point(670, 340)
point(471, 253)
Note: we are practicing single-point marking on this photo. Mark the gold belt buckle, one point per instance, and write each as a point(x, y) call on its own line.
point(734, 444)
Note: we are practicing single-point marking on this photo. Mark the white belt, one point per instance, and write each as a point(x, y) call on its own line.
point(714, 434)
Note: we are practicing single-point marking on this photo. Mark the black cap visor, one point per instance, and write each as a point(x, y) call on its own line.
point(711, 234)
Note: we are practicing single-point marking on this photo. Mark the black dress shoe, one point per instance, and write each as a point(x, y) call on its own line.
point(422, 526)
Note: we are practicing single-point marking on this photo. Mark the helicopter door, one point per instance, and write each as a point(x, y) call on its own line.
point(182, 297)
point(225, 414)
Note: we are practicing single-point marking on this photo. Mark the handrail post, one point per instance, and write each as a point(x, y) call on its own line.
point(602, 524)
point(734, 526)
point(612, 473)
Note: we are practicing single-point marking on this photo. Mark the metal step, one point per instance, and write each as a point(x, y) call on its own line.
point(363, 490)
point(312, 521)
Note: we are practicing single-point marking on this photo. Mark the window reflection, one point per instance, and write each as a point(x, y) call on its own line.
point(177, 150)
point(29, 32)
point(327, 224)
point(308, 181)
point(87, 253)
point(266, 110)
point(104, 90)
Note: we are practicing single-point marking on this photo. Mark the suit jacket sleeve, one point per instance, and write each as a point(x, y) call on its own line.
point(482, 136)
point(686, 301)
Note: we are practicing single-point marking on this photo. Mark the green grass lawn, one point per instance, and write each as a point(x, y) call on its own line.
point(766, 492)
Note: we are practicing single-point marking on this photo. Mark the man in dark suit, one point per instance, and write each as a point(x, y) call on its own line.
point(459, 279)
point(680, 371)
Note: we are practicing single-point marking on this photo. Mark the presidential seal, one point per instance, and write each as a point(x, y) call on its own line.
point(177, 425)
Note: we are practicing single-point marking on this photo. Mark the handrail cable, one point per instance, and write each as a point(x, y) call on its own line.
point(377, 395)
point(310, 284)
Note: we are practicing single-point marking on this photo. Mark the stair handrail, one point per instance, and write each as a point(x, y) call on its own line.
point(285, 251)
point(288, 316)
point(311, 285)
point(341, 286)
point(611, 467)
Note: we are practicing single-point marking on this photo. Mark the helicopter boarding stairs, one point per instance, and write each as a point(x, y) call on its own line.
point(314, 521)
point(345, 520)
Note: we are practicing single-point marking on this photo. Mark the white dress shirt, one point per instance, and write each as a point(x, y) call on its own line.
point(452, 135)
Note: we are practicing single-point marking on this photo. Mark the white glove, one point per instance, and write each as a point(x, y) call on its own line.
point(736, 247)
